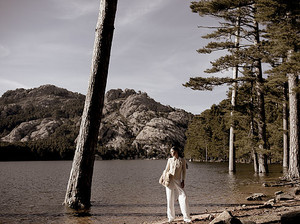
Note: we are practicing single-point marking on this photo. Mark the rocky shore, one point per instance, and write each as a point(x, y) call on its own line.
point(283, 208)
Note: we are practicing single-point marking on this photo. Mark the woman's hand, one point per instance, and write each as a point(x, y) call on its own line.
point(182, 184)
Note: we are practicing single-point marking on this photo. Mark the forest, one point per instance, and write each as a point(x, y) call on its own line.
point(260, 118)
point(208, 133)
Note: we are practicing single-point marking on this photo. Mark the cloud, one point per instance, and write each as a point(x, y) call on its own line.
point(6, 84)
point(4, 52)
point(154, 47)
point(135, 11)
point(73, 9)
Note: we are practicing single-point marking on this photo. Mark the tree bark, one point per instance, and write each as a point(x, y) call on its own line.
point(78, 193)
point(294, 165)
point(261, 117)
point(262, 157)
point(285, 162)
point(232, 166)
point(255, 162)
point(251, 133)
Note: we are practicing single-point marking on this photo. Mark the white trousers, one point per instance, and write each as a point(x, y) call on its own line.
point(173, 190)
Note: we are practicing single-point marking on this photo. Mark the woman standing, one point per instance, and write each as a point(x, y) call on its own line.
point(176, 167)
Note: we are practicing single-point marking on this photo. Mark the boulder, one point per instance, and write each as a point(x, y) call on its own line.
point(278, 192)
point(297, 191)
point(225, 218)
point(265, 185)
point(283, 197)
point(269, 204)
point(256, 197)
point(290, 218)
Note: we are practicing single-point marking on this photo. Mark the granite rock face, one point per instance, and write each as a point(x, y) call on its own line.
point(33, 114)
point(138, 125)
point(33, 130)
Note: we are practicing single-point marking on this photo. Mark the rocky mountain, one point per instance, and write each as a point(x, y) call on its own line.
point(133, 124)
point(136, 125)
point(31, 114)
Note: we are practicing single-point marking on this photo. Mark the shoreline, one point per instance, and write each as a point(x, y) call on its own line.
point(267, 212)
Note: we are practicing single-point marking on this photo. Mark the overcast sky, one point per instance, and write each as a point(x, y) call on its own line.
point(154, 48)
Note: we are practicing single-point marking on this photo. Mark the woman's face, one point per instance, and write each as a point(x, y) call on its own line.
point(173, 153)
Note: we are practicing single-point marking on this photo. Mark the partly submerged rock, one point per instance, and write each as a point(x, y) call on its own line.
point(297, 191)
point(283, 197)
point(268, 204)
point(225, 218)
point(256, 197)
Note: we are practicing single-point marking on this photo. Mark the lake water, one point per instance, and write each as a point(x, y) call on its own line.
point(122, 192)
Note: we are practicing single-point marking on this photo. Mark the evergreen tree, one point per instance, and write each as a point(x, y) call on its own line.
point(207, 135)
point(282, 20)
point(246, 54)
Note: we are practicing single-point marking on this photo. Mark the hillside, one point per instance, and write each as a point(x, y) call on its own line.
point(43, 123)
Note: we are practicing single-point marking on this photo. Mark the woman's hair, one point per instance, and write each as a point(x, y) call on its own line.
point(176, 149)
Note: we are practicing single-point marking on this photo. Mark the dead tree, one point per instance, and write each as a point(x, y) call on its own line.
point(78, 193)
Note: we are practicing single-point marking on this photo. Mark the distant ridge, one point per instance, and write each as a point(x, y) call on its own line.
point(48, 117)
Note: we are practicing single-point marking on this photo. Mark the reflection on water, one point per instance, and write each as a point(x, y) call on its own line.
point(122, 192)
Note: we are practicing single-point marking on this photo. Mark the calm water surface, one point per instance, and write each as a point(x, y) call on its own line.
point(122, 192)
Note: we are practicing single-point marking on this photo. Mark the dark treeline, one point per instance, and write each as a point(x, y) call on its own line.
point(208, 133)
point(59, 146)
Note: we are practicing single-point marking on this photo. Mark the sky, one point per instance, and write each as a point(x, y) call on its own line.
point(153, 51)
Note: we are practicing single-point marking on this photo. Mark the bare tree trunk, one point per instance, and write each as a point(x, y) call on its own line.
point(255, 161)
point(262, 157)
point(294, 163)
point(78, 193)
point(285, 162)
point(254, 153)
point(232, 166)
point(206, 155)
point(251, 134)
point(261, 118)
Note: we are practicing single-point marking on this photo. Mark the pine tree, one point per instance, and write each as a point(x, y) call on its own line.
point(277, 89)
point(246, 54)
point(232, 157)
point(282, 20)
point(220, 10)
